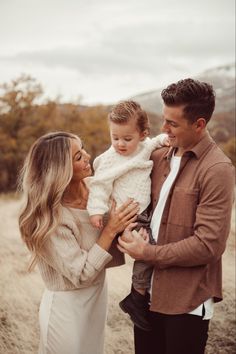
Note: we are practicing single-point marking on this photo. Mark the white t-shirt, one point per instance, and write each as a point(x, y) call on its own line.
point(155, 225)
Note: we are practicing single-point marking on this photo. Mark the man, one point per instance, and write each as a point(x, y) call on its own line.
point(192, 196)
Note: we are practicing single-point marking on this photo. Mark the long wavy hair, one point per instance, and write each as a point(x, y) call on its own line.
point(46, 173)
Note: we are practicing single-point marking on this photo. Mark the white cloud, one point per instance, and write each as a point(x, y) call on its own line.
point(108, 50)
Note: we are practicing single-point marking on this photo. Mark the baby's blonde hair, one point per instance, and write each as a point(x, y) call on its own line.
point(124, 111)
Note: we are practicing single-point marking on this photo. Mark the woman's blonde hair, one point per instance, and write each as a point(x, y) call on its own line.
point(46, 173)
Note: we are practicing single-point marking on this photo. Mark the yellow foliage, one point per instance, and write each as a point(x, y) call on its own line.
point(229, 149)
point(22, 121)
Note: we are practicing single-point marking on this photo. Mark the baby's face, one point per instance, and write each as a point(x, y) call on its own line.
point(125, 137)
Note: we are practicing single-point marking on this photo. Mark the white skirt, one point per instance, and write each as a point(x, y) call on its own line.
point(73, 322)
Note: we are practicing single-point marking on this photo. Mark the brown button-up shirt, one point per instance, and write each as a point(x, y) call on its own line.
point(194, 228)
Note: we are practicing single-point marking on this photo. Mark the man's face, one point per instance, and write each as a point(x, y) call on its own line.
point(181, 133)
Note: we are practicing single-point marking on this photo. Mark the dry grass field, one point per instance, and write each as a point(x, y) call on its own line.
point(20, 295)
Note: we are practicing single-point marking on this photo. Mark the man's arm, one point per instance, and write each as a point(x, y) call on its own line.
point(211, 227)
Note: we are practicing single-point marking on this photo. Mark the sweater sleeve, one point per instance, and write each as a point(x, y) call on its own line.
point(154, 143)
point(158, 141)
point(101, 184)
point(99, 195)
point(63, 253)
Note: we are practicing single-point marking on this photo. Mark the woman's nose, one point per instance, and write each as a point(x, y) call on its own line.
point(86, 155)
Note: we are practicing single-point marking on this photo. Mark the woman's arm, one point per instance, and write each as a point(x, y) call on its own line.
point(64, 254)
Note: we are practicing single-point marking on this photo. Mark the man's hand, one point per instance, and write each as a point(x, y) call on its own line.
point(127, 233)
point(133, 243)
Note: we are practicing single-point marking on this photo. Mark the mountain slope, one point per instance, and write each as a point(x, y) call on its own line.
point(223, 80)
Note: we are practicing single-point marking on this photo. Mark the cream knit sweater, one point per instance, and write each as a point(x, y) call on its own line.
point(122, 177)
point(71, 258)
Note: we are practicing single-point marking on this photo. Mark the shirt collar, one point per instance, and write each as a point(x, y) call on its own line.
point(197, 150)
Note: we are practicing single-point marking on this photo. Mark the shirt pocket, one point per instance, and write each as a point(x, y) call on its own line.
point(183, 206)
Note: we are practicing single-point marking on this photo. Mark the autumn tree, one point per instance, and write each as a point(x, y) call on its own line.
point(23, 120)
point(229, 149)
point(17, 104)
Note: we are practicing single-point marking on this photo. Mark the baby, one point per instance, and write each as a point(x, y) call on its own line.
point(121, 172)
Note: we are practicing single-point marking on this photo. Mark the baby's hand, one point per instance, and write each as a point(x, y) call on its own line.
point(97, 221)
point(166, 141)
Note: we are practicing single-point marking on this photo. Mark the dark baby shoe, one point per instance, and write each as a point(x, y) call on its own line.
point(136, 305)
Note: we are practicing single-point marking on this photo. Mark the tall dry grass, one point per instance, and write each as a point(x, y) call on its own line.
point(20, 294)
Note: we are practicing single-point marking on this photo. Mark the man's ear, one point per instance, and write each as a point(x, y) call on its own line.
point(144, 134)
point(200, 123)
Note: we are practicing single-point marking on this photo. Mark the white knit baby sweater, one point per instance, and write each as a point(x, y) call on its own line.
point(122, 177)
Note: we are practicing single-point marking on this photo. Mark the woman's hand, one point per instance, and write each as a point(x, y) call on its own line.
point(120, 218)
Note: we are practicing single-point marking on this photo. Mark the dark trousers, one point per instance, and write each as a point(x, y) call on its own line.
point(172, 334)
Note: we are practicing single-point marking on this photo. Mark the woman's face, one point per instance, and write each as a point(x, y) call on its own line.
point(80, 160)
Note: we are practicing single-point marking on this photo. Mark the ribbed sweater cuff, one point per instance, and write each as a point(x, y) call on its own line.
point(98, 257)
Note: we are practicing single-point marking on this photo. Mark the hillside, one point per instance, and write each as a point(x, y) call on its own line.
point(222, 124)
point(223, 80)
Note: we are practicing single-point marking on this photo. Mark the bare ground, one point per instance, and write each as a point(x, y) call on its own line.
point(20, 294)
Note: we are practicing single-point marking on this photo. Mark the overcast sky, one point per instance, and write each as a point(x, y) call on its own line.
point(107, 50)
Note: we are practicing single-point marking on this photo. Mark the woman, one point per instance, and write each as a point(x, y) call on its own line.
point(70, 253)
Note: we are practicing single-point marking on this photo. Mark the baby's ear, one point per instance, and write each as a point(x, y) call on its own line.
point(144, 134)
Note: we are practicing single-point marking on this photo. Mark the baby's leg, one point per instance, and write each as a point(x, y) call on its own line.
point(140, 291)
point(141, 278)
point(136, 304)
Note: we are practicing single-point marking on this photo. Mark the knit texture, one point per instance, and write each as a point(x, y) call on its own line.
point(122, 177)
point(71, 258)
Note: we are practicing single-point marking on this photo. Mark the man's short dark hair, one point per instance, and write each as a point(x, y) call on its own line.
point(196, 97)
